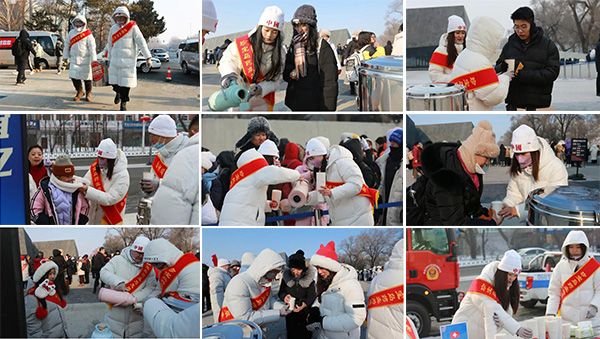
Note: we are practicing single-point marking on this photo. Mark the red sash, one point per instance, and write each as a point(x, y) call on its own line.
point(140, 278)
point(80, 37)
point(365, 191)
point(247, 170)
point(112, 214)
point(440, 59)
point(410, 332)
point(482, 287)
point(121, 32)
point(159, 167)
point(168, 275)
point(257, 304)
point(577, 279)
point(478, 79)
point(247, 57)
point(51, 298)
point(388, 297)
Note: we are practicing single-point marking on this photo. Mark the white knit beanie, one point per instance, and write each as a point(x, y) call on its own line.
point(511, 262)
point(206, 162)
point(272, 17)
point(456, 23)
point(164, 126)
point(209, 16)
point(140, 243)
point(315, 147)
point(222, 262)
point(268, 147)
point(524, 140)
point(107, 149)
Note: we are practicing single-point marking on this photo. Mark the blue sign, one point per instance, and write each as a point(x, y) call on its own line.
point(132, 125)
point(14, 209)
point(454, 331)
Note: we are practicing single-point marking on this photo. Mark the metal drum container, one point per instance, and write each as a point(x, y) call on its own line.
point(232, 329)
point(381, 84)
point(144, 210)
point(564, 206)
point(437, 96)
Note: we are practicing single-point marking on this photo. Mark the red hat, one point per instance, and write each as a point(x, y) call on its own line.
point(326, 258)
point(63, 166)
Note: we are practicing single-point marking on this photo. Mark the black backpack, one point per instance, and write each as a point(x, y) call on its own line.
point(415, 202)
point(17, 48)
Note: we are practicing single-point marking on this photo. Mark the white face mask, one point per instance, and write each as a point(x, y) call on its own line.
point(479, 170)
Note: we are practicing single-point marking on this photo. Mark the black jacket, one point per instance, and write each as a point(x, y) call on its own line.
point(598, 56)
point(451, 198)
point(26, 47)
point(318, 90)
point(532, 86)
point(303, 289)
point(98, 261)
point(355, 147)
point(45, 219)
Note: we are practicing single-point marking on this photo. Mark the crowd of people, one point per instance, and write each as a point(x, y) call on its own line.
point(321, 295)
point(139, 276)
point(59, 197)
point(258, 180)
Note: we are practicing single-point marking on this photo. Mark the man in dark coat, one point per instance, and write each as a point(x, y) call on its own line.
point(206, 306)
point(85, 267)
point(21, 48)
point(388, 48)
point(298, 281)
point(98, 261)
point(455, 179)
point(598, 67)
point(257, 132)
point(59, 280)
point(536, 64)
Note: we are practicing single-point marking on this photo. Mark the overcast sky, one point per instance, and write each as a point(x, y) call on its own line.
point(87, 239)
point(182, 17)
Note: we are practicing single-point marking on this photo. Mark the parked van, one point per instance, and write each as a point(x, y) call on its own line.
point(189, 58)
point(46, 39)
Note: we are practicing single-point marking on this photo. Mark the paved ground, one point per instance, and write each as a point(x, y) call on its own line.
point(50, 91)
point(277, 330)
point(210, 84)
point(567, 94)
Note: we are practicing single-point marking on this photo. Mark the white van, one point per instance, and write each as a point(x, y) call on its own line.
point(189, 58)
point(46, 39)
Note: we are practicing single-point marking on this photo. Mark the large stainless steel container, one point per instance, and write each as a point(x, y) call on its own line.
point(564, 206)
point(381, 84)
point(437, 96)
point(232, 329)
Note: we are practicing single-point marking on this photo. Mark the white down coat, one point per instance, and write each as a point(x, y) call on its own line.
point(123, 54)
point(244, 204)
point(388, 322)
point(482, 40)
point(165, 323)
point(478, 310)
point(342, 306)
point(245, 286)
point(82, 53)
point(346, 208)
point(123, 322)
point(54, 325)
point(575, 306)
point(115, 189)
point(552, 172)
point(176, 201)
point(218, 278)
point(438, 73)
point(188, 280)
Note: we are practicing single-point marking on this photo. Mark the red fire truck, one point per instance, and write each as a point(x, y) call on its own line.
point(432, 276)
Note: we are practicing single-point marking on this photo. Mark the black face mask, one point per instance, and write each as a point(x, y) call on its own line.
point(396, 153)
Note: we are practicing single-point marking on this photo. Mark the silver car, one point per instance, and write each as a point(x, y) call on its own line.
point(189, 59)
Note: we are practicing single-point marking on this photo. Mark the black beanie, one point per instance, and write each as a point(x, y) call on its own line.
point(297, 260)
point(305, 14)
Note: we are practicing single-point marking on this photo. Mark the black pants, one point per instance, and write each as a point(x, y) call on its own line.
point(206, 306)
point(513, 107)
point(22, 65)
point(36, 62)
point(598, 84)
point(97, 281)
point(79, 87)
point(122, 92)
point(295, 325)
point(86, 275)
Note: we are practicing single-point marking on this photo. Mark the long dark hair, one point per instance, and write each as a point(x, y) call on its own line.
point(507, 296)
point(312, 40)
point(29, 162)
point(323, 285)
point(515, 168)
point(111, 168)
point(451, 48)
point(257, 47)
point(39, 282)
point(364, 38)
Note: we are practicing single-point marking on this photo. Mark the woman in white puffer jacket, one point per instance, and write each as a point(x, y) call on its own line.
point(346, 207)
point(123, 53)
point(339, 310)
point(533, 165)
point(80, 47)
point(479, 309)
point(485, 89)
point(451, 45)
point(581, 304)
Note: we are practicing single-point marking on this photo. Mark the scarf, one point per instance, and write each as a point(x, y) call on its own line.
point(67, 186)
point(299, 43)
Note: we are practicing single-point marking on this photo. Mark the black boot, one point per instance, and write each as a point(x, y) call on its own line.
point(117, 98)
point(123, 105)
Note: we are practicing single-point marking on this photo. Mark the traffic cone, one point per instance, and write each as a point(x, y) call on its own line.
point(168, 74)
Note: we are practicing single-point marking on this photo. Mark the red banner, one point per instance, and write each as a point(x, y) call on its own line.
point(440, 59)
point(247, 170)
point(80, 37)
point(112, 214)
point(137, 281)
point(387, 297)
point(159, 167)
point(121, 32)
point(482, 287)
point(577, 279)
point(97, 71)
point(257, 304)
point(168, 275)
point(6, 43)
point(365, 191)
point(478, 79)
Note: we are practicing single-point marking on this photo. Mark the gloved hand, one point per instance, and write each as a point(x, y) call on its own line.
point(255, 90)
point(592, 311)
point(313, 327)
point(149, 186)
point(285, 311)
point(364, 144)
point(525, 333)
point(497, 320)
point(121, 287)
point(503, 67)
point(314, 315)
point(228, 79)
point(149, 63)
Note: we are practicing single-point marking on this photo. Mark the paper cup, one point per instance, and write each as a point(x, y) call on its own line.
point(147, 175)
point(320, 182)
point(497, 206)
point(511, 64)
point(268, 207)
point(292, 303)
point(276, 196)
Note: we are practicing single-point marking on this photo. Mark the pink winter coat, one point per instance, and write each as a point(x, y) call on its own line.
point(43, 211)
point(310, 221)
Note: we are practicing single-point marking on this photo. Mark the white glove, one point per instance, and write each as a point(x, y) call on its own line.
point(314, 326)
point(254, 90)
point(592, 311)
point(364, 144)
point(497, 320)
point(525, 333)
point(284, 311)
point(149, 186)
point(149, 63)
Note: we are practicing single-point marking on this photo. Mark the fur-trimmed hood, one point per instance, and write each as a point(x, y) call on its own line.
point(307, 277)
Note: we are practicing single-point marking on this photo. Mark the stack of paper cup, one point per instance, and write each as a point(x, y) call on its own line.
point(321, 181)
point(554, 328)
point(541, 322)
point(533, 325)
point(268, 207)
point(566, 331)
point(511, 64)
point(299, 194)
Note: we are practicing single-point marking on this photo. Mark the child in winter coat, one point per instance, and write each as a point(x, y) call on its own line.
point(451, 45)
point(44, 305)
point(57, 200)
point(315, 153)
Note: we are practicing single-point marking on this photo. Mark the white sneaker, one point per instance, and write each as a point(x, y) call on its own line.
point(31, 72)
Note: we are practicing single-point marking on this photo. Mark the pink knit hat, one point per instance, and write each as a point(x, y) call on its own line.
point(326, 258)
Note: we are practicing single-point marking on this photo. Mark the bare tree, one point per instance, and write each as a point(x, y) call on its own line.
point(113, 242)
point(377, 244)
point(564, 122)
point(186, 239)
point(393, 19)
point(12, 14)
point(351, 253)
